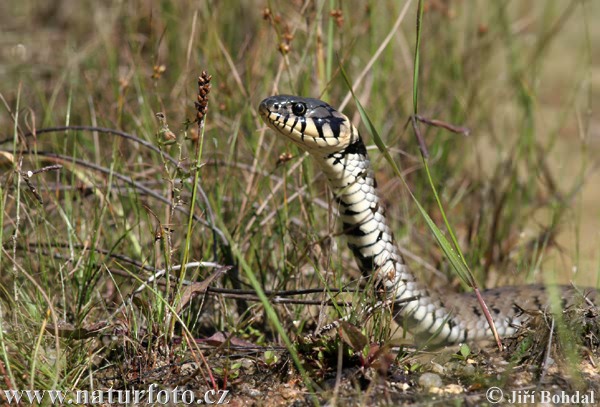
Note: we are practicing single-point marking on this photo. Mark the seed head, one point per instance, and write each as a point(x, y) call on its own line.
point(203, 91)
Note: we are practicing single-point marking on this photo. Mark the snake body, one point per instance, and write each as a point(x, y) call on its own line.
point(329, 137)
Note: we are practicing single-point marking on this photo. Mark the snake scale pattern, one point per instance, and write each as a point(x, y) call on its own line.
point(329, 137)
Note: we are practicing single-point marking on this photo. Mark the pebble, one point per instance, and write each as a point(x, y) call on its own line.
point(430, 380)
point(249, 366)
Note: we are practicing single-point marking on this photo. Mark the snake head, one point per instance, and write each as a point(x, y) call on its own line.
point(310, 123)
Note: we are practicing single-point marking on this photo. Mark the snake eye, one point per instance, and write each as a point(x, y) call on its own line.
point(299, 109)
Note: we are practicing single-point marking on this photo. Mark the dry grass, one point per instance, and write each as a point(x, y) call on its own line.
point(118, 209)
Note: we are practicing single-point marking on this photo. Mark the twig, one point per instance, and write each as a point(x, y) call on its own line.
point(278, 297)
point(128, 180)
point(547, 359)
point(465, 131)
point(27, 177)
point(146, 267)
point(413, 119)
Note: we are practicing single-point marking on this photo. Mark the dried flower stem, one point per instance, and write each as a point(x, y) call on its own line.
point(203, 91)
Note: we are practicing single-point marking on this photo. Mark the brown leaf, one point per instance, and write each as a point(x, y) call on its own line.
point(352, 336)
point(194, 289)
point(222, 338)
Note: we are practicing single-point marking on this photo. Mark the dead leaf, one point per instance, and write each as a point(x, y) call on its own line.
point(352, 336)
point(199, 287)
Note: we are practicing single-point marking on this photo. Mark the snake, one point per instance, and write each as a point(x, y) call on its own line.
point(339, 151)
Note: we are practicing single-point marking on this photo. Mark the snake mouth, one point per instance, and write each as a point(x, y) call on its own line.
point(263, 109)
point(311, 124)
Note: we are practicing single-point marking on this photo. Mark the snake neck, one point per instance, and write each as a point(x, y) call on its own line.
point(370, 238)
point(364, 223)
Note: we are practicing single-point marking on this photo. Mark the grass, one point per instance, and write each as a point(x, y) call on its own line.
point(517, 192)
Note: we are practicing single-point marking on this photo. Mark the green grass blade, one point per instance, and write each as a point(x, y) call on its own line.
point(455, 259)
point(271, 314)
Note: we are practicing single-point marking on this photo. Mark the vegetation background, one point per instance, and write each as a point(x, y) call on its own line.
point(521, 190)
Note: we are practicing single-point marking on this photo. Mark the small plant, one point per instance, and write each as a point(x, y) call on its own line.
point(229, 372)
point(464, 352)
point(270, 358)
